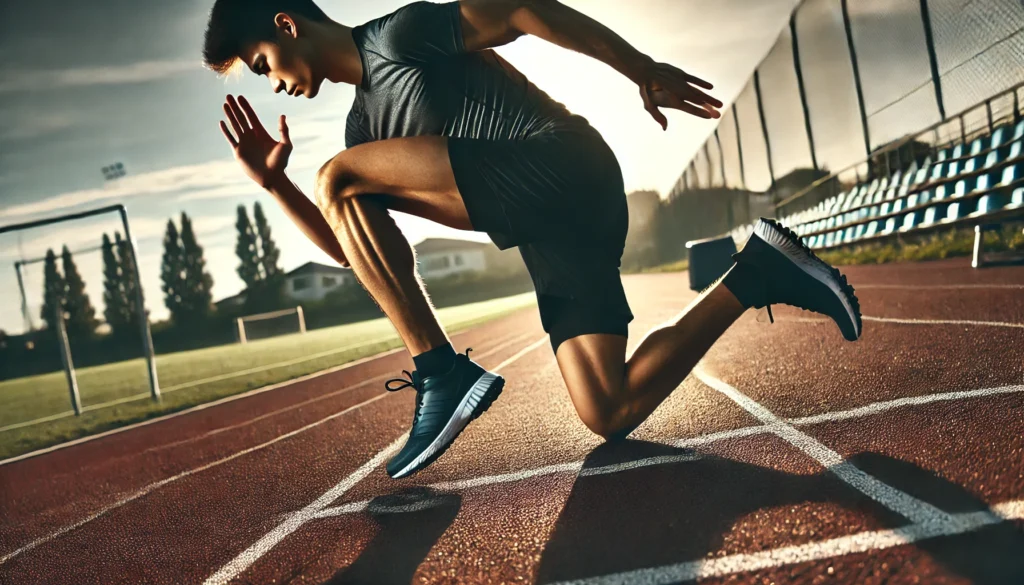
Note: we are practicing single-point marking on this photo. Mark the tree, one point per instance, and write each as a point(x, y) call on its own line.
point(129, 283)
point(196, 294)
point(247, 251)
point(172, 272)
point(115, 305)
point(53, 291)
point(81, 314)
point(270, 254)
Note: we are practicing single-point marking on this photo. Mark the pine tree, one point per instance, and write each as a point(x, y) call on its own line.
point(172, 272)
point(246, 250)
point(114, 302)
point(196, 295)
point(270, 254)
point(81, 314)
point(129, 284)
point(53, 291)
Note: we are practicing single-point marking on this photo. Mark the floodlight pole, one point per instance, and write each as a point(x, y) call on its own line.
point(147, 335)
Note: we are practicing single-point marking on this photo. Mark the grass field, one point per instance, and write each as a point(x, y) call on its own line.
point(117, 394)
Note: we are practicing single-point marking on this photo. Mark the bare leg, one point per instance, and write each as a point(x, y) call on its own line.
point(614, 399)
point(354, 192)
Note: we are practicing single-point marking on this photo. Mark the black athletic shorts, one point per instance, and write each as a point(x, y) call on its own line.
point(559, 197)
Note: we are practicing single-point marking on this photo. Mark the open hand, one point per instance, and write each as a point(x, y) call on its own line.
point(668, 86)
point(262, 158)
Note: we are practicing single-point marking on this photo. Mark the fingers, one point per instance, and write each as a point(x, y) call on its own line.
point(239, 115)
point(250, 114)
point(230, 115)
point(698, 81)
point(227, 134)
point(652, 109)
point(282, 125)
point(696, 111)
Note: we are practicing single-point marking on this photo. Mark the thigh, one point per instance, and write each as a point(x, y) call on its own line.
point(412, 175)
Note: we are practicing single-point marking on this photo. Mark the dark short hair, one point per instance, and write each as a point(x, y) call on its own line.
point(236, 23)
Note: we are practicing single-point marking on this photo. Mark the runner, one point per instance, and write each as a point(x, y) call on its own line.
point(443, 128)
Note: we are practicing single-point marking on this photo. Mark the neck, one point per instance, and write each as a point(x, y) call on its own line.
point(339, 53)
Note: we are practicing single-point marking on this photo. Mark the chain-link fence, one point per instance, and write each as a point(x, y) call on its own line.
point(854, 90)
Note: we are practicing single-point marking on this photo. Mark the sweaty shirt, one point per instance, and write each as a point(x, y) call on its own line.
point(418, 80)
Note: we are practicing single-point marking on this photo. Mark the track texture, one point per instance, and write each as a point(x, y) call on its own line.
point(792, 456)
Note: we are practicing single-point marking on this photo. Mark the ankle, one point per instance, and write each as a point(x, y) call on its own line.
point(435, 361)
point(747, 284)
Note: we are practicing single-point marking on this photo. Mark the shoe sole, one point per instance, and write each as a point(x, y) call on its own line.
point(476, 402)
point(790, 245)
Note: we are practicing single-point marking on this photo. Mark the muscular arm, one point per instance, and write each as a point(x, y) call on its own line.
point(491, 23)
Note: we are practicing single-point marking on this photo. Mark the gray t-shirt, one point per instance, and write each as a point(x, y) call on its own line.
point(418, 80)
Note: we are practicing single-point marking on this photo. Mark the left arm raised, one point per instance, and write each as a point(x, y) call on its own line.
point(491, 23)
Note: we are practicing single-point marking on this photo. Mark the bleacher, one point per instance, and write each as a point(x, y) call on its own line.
point(972, 183)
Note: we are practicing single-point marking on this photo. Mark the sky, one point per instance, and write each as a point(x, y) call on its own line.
point(93, 83)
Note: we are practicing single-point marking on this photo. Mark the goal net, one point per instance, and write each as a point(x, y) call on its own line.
point(55, 315)
point(263, 325)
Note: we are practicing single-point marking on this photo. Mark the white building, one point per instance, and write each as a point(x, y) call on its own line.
point(439, 257)
point(312, 281)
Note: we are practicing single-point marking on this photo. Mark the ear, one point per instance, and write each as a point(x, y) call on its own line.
point(286, 25)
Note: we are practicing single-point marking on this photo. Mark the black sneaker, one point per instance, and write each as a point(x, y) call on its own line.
point(775, 266)
point(444, 406)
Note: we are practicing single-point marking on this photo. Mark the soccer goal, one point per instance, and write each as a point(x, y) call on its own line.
point(133, 281)
point(272, 324)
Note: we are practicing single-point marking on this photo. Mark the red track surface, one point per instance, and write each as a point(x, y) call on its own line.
point(813, 501)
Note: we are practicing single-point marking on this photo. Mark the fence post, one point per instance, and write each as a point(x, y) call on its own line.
point(803, 92)
point(143, 315)
point(721, 158)
point(739, 143)
point(932, 59)
point(707, 157)
point(856, 78)
point(764, 130)
point(65, 358)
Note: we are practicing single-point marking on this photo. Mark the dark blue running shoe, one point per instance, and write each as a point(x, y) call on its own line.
point(776, 266)
point(444, 406)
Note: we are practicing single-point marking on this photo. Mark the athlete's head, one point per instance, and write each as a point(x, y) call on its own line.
point(272, 38)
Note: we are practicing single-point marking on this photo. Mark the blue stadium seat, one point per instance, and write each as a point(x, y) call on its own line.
point(848, 234)
point(988, 204)
point(910, 221)
point(884, 210)
point(938, 169)
point(970, 165)
point(977, 145)
point(912, 200)
point(942, 154)
point(903, 189)
point(1017, 199)
point(957, 210)
point(933, 214)
point(890, 226)
point(1011, 173)
point(998, 135)
point(830, 238)
point(872, 229)
point(940, 193)
point(1014, 150)
point(958, 151)
point(991, 159)
point(924, 196)
point(898, 205)
point(1018, 130)
point(858, 233)
point(873, 211)
point(963, 187)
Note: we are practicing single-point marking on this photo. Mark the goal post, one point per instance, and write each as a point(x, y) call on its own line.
point(143, 316)
point(275, 323)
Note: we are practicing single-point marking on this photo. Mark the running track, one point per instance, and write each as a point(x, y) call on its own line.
point(789, 456)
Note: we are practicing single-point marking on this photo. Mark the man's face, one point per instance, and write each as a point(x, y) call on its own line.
point(289, 63)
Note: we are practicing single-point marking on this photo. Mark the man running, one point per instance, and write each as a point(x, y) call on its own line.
point(443, 128)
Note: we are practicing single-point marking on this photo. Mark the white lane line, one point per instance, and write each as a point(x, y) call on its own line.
point(917, 321)
point(879, 407)
point(790, 555)
point(273, 413)
point(262, 546)
point(901, 503)
point(574, 468)
point(153, 486)
point(203, 406)
point(940, 286)
point(943, 322)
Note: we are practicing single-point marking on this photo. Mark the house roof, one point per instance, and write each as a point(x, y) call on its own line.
point(432, 245)
point(315, 267)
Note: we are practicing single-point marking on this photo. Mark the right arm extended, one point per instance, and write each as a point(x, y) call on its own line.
point(264, 160)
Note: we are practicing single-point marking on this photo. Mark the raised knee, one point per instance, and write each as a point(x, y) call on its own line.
point(334, 182)
point(608, 423)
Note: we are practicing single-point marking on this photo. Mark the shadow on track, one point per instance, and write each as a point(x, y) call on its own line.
point(409, 523)
point(665, 514)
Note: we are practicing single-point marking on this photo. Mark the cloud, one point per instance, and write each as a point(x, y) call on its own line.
point(142, 71)
point(36, 124)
